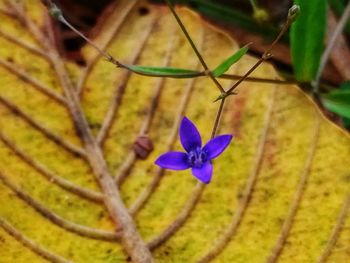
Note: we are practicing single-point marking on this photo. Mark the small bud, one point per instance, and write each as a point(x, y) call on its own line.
point(293, 13)
point(55, 11)
point(260, 15)
point(143, 146)
point(222, 96)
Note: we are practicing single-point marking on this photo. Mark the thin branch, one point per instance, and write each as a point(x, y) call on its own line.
point(119, 91)
point(52, 177)
point(116, 27)
point(34, 82)
point(340, 55)
point(17, 41)
point(336, 231)
point(33, 246)
point(131, 240)
point(305, 173)
point(101, 52)
point(57, 13)
point(262, 80)
point(293, 12)
point(55, 138)
point(189, 39)
point(230, 232)
point(332, 41)
point(56, 219)
point(218, 118)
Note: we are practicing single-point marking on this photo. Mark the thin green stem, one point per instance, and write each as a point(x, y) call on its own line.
point(293, 12)
point(189, 39)
point(58, 15)
point(218, 117)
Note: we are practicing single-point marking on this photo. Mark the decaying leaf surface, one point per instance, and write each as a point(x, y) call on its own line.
point(279, 188)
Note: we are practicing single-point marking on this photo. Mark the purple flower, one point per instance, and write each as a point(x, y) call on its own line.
point(196, 157)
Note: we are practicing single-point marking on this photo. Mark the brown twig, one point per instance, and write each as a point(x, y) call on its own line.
point(196, 51)
point(58, 220)
point(288, 222)
point(52, 177)
point(120, 20)
point(130, 238)
point(33, 246)
point(332, 41)
point(293, 11)
point(340, 54)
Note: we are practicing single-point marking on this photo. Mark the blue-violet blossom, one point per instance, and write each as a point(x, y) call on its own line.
point(196, 157)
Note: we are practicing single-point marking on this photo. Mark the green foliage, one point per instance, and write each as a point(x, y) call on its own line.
point(338, 101)
point(226, 64)
point(307, 38)
point(163, 71)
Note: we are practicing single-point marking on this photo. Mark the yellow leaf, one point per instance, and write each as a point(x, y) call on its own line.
point(279, 192)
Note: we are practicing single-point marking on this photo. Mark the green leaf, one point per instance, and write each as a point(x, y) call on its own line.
point(163, 71)
point(224, 66)
point(345, 86)
point(307, 37)
point(338, 101)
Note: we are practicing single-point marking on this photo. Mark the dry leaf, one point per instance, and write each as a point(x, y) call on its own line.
point(277, 192)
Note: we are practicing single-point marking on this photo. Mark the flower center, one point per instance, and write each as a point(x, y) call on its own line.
point(197, 157)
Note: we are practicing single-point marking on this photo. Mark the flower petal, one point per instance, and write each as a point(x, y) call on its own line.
point(189, 135)
point(203, 173)
point(217, 145)
point(173, 161)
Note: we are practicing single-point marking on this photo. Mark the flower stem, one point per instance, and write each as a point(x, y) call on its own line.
point(218, 117)
point(293, 12)
point(189, 39)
